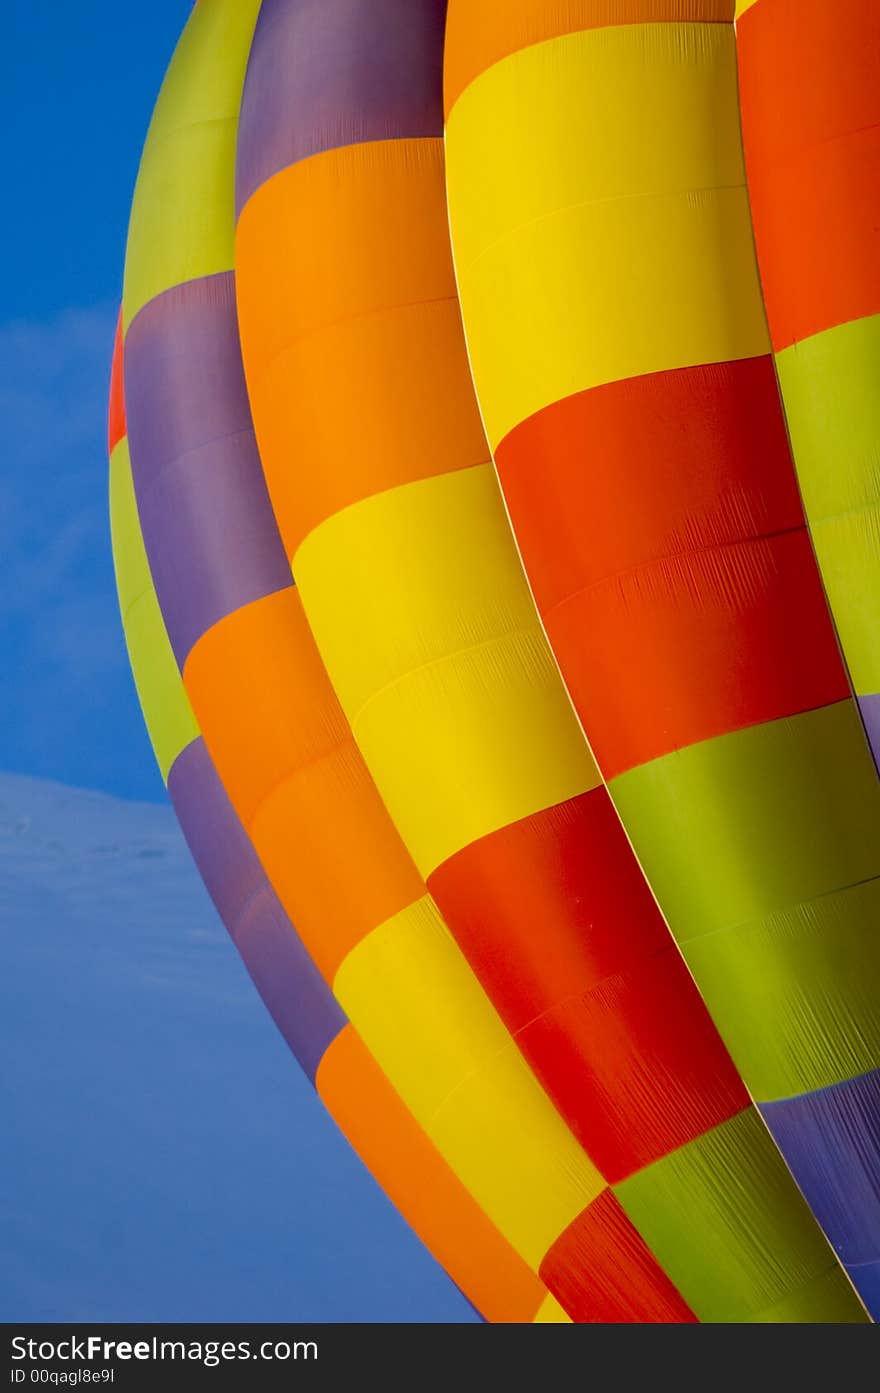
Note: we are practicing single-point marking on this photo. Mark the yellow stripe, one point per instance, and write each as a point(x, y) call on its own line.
point(182, 218)
point(426, 626)
point(167, 713)
point(550, 1312)
point(599, 215)
point(425, 1019)
point(743, 5)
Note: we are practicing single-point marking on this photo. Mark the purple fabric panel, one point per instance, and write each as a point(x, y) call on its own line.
point(866, 1280)
point(870, 709)
point(298, 998)
point(209, 529)
point(328, 73)
point(831, 1141)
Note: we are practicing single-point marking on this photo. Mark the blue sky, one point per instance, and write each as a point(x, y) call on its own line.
point(169, 1160)
point(78, 100)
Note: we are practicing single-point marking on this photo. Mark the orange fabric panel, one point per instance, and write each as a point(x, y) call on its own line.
point(289, 763)
point(481, 33)
point(810, 102)
point(330, 323)
point(424, 1188)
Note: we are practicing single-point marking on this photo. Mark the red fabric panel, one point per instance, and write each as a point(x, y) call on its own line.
point(116, 427)
point(559, 925)
point(601, 1271)
point(810, 96)
point(661, 527)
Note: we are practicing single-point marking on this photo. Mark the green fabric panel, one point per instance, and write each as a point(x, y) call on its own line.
point(734, 829)
point(129, 554)
point(763, 849)
point(181, 221)
point(831, 388)
point(826, 1301)
point(795, 995)
point(167, 713)
point(759, 1254)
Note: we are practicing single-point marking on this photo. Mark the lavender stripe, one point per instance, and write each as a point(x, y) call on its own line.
point(830, 1140)
point(298, 998)
point(870, 709)
point(208, 524)
point(328, 73)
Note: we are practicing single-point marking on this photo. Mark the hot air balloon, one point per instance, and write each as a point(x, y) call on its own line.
point(350, 687)
point(619, 345)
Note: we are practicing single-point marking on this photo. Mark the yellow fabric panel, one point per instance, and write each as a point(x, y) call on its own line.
point(432, 1029)
point(182, 224)
point(743, 5)
point(550, 1312)
point(542, 1161)
point(167, 713)
point(407, 983)
point(426, 626)
point(133, 576)
point(588, 253)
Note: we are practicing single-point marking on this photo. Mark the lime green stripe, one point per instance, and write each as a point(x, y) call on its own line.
point(795, 996)
point(759, 846)
point(730, 1182)
point(167, 713)
point(181, 221)
point(831, 388)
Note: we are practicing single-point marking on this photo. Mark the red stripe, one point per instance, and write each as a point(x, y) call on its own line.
point(558, 923)
point(810, 96)
point(663, 534)
point(116, 426)
point(601, 1271)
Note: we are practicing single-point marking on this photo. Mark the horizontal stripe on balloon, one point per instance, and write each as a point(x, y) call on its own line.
point(698, 569)
point(337, 73)
point(601, 1262)
point(808, 75)
point(353, 1088)
point(482, 33)
point(645, 232)
point(601, 1002)
point(329, 322)
point(189, 159)
point(298, 998)
point(830, 1141)
point(790, 1275)
point(469, 682)
point(204, 510)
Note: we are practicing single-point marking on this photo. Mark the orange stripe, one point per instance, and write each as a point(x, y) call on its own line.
point(480, 33)
point(810, 93)
point(331, 323)
point(294, 772)
point(467, 1243)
